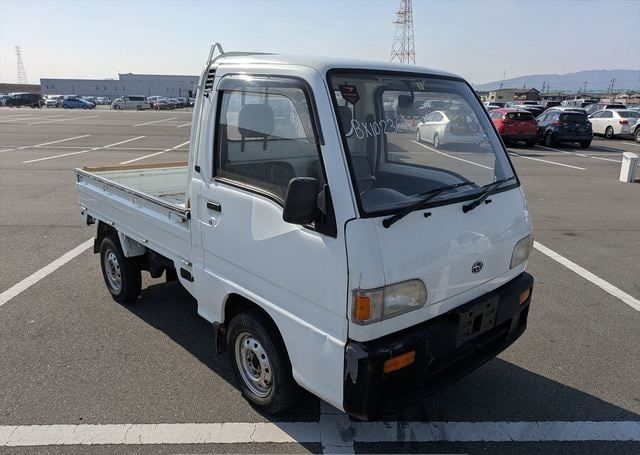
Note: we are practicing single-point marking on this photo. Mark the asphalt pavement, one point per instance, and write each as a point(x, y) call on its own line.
point(71, 356)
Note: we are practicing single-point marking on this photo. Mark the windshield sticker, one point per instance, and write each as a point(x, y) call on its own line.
point(371, 129)
point(350, 93)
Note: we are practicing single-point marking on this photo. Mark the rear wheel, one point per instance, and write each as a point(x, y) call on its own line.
point(531, 143)
point(608, 133)
point(548, 140)
point(585, 144)
point(121, 275)
point(261, 363)
point(638, 135)
point(436, 140)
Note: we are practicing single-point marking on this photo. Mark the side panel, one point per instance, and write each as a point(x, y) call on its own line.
point(298, 276)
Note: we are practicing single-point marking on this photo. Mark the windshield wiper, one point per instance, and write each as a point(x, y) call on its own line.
point(489, 190)
point(426, 197)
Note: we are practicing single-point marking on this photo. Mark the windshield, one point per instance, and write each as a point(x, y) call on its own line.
point(397, 154)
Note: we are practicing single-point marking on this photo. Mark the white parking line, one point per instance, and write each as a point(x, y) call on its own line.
point(632, 143)
point(46, 143)
point(156, 121)
point(64, 119)
point(309, 432)
point(562, 151)
point(42, 273)
point(584, 273)
point(155, 154)
point(186, 124)
point(451, 156)
point(82, 151)
point(546, 161)
point(605, 159)
point(28, 118)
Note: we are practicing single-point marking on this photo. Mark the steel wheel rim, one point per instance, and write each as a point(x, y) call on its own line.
point(254, 365)
point(112, 270)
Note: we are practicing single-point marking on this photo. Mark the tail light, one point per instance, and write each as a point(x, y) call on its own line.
point(558, 123)
point(624, 122)
point(507, 122)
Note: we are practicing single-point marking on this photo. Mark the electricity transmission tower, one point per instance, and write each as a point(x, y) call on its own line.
point(22, 74)
point(403, 49)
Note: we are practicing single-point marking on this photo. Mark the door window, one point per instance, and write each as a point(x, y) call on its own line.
point(266, 137)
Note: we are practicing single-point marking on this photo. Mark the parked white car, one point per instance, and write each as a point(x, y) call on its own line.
point(456, 126)
point(612, 122)
point(138, 103)
point(54, 101)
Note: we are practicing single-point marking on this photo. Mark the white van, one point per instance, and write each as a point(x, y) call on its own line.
point(138, 103)
point(330, 250)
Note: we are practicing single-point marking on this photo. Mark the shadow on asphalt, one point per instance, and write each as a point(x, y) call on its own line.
point(169, 308)
point(498, 391)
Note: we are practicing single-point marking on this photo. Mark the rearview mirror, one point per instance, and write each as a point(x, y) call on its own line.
point(301, 202)
point(405, 101)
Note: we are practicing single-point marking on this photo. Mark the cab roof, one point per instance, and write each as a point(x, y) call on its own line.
point(324, 64)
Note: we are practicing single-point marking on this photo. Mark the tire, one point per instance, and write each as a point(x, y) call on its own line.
point(531, 143)
point(261, 363)
point(548, 140)
point(418, 135)
point(436, 141)
point(637, 134)
point(608, 133)
point(121, 275)
point(585, 144)
point(84, 107)
point(65, 107)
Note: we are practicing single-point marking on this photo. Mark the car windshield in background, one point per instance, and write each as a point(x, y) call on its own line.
point(520, 116)
point(395, 154)
point(573, 117)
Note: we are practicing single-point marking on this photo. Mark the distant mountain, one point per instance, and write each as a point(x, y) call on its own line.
point(597, 80)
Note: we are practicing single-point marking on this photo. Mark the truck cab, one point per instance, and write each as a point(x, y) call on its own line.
point(330, 249)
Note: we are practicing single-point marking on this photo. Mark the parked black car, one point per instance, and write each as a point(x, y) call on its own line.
point(535, 110)
point(25, 99)
point(567, 126)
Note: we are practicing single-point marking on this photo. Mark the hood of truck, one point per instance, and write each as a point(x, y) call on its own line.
point(444, 250)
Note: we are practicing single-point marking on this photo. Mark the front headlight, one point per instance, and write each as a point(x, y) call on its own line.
point(521, 251)
point(374, 305)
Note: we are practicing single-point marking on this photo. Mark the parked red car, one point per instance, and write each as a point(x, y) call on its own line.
point(515, 125)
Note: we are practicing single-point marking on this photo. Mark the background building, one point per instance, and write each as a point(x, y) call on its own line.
point(16, 88)
point(126, 84)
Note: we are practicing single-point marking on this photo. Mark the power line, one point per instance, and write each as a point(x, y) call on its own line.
point(403, 49)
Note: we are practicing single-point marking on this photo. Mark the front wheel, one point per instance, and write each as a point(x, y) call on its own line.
point(638, 135)
point(608, 133)
point(436, 140)
point(548, 140)
point(418, 135)
point(121, 275)
point(585, 144)
point(261, 363)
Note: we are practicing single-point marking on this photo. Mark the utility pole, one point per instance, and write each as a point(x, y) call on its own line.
point(584, 87)
point(613, 81)
point(403, 49)
point(504, 74)
point(22, 74)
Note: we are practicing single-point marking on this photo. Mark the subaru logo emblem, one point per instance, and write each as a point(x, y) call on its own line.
point(476, 267)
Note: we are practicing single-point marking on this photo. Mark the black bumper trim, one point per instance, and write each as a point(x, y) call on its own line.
point(439, 360)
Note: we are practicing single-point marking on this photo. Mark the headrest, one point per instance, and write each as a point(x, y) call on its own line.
point(255, 120)
point(344, 117)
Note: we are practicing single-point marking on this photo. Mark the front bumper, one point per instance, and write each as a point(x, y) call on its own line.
point(440, 357)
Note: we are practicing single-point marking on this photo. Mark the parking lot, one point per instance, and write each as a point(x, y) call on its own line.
point(77, 368)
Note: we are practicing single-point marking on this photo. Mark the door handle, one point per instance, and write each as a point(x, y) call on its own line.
point(215, 206)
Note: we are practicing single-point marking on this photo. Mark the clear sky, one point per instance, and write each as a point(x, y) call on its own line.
point(478, 39)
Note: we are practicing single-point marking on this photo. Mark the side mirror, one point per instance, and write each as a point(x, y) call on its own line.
point(301, 203)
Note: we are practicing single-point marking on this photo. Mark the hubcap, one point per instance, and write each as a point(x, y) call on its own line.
point(253, 364)
point(112, 270)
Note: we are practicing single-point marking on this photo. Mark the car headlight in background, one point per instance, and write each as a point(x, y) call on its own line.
point(521, 251)
point(374, 305)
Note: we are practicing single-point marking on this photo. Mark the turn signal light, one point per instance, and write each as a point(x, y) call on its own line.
point(400, 361)
point(524, 296)
point(363, 308)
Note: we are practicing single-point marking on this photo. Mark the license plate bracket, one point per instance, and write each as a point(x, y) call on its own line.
point(477, 319)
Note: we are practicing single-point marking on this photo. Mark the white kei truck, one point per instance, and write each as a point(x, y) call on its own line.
point(330, 249)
